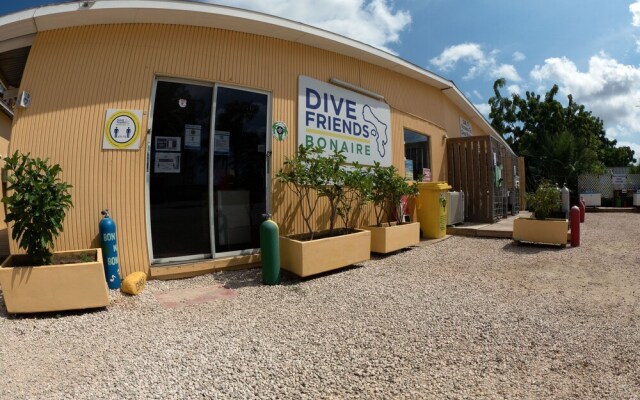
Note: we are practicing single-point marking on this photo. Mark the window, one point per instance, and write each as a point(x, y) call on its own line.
point(417, 153)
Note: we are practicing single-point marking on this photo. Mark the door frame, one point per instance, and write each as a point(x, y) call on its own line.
point(267, 160)
point(268, 173)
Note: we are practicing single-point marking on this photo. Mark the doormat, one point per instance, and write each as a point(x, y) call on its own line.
point(186, 297)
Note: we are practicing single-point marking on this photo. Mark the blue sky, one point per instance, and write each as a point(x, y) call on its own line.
point(590, 48)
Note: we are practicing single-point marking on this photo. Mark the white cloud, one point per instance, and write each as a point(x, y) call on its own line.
point(506, 71)
point(514, 89)
point(635, 10)
point(373, 22)
point(484, 109)
point(478, 61)
point(470, 52)
point(609, 89)
point(518, 56)
point(477, 94)
point(634, 146)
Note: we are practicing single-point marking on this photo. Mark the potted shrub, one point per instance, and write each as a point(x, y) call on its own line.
point(541, 229)
point(387, 190)
point(41, 280)
point(314, 177)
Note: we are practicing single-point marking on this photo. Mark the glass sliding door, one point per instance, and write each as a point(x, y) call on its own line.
point(239, 168)
point(207, 170)
point(178, 171)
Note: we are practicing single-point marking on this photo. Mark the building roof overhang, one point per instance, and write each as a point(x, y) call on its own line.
point(18, 30)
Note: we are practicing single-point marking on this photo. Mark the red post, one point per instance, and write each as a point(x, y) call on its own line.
point(574, 220)
point(582, 206)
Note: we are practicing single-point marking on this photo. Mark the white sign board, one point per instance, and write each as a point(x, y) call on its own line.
point(465, 128)
point(122, 129)
point(619, 181)
point(337, 119)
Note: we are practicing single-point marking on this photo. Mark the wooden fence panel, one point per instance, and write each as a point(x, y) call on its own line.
point(470, 169)
point(485, 211)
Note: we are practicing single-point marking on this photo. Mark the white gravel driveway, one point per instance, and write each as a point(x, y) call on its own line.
point(461, 318)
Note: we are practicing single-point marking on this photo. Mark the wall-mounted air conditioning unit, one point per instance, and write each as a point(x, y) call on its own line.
point(455, 201)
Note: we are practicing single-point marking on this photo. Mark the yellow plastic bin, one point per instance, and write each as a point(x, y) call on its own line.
point(432, 209)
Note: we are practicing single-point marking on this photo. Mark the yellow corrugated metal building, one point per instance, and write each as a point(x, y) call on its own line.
point(162, 112)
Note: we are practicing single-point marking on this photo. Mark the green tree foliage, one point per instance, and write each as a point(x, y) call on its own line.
point(36, 204)
point(558, 142)
point(545, 200)
point(387, 190)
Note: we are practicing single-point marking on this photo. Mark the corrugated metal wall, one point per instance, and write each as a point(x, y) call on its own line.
point(76, 74)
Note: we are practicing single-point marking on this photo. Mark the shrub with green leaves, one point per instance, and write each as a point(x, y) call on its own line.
point(312, 175)
point(545, 200)
point(387, 190)
point(36, 204)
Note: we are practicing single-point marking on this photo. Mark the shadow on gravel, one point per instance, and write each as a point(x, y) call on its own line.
point(532, 248)
point(47, 315)
point(253, 277)
point(328, 273)
point(382, 256)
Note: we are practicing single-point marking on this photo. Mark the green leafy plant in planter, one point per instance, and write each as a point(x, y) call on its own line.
point(356, 192)
point(311, 175)
point(545, 200)
point(387, 190)
point(36, 204)
point(303, 174)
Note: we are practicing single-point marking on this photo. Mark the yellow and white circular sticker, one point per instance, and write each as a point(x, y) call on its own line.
point(122, 129)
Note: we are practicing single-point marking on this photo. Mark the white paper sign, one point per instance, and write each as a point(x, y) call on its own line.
point(338, 119)
point(192, 136)
point(221, 142)
point(167, 163)
point(167, 143)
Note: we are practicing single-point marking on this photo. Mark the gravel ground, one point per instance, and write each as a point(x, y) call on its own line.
point(459, 318)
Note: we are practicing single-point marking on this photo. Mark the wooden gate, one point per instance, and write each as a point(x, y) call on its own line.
point(486, 171)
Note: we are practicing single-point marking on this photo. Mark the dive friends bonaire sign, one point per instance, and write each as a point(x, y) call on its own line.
point(338, 119)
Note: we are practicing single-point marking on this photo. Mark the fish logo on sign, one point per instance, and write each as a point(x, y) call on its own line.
point(378, 129)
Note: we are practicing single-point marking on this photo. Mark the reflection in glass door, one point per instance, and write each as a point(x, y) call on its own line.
point(179, 173)
point(239, 168)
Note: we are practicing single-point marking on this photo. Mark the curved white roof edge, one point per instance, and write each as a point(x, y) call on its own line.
point(19, 29)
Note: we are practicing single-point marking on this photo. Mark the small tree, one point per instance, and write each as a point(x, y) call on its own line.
point(332, 183)
point(357, 192)
point(304, 175)
point(545, 200)
point(36, 205)
point(387, 191)
point(312, 176)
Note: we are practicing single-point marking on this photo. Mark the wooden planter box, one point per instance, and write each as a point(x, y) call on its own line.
point(385, 239)
point(306, 258)
point(54, 287)
point(549, 231)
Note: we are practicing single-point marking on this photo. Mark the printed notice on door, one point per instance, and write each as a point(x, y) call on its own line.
point(221, 142)
point(167, 163)
point(192, 136)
